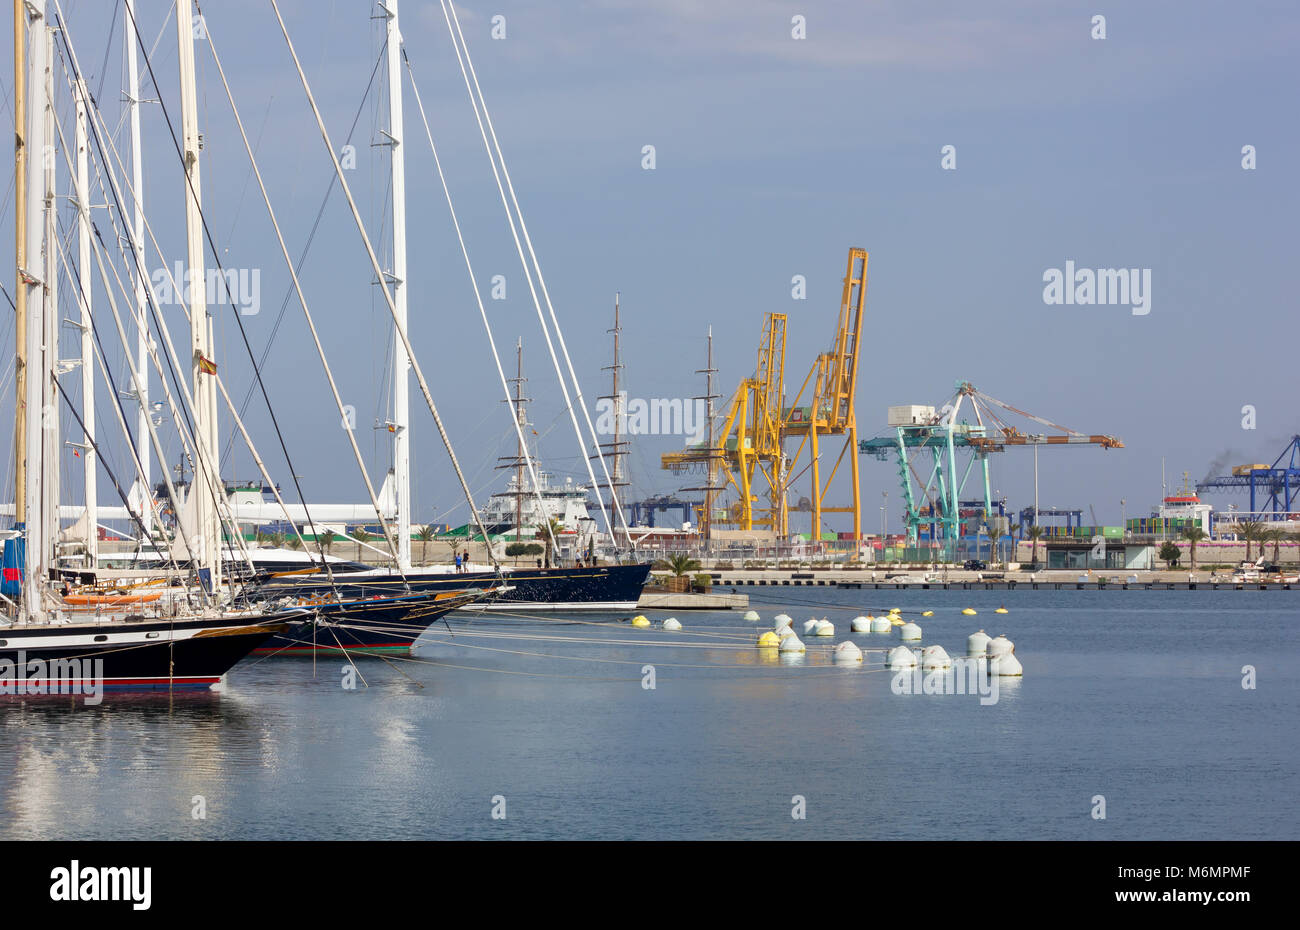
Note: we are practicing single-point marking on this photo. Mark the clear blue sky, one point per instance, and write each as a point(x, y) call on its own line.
point(774, 155)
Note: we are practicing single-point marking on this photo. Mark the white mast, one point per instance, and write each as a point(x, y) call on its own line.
point(50, 432)
point(200, 499)
point(35, 561)
point(401, 363)
point(87, 347)
point(143, 482)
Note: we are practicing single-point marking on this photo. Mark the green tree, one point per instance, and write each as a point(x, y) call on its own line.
point(1193, 534)
point(426, 533)
point(326, 539)
point(1170, 553)
point(515, 549)
point(995, 535)
point(682, 564)
point(1034, 533)
point(1273, 534)
point(1248, 530)
point(549, 531)
point(293, 542)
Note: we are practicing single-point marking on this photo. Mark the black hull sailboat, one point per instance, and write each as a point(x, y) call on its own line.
point(601, 588)
point(371, 624)
point(134, 654)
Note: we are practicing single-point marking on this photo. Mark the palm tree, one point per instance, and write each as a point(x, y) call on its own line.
point(1274, 535)
point(549, 530)
point(293, 542)
point(426, 533)
point(1248, 530)
point(361, 536)
point(682, 564)
point(1034, 533)
point(1193, 534)
point(995, 534)
point(326, 539)
point(1294, 536)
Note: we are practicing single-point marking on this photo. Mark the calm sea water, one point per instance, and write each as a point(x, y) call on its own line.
point(1135, 696)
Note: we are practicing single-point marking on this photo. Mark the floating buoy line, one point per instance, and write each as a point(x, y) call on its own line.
point(526, 640)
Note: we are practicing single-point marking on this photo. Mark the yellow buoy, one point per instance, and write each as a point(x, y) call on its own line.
point(969, 611)
point(640, 621)
point(1001, 610)
point(927, 613)
point(896, 620)
point(768, 639)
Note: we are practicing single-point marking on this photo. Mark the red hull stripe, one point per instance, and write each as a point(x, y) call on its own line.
point(119, 682)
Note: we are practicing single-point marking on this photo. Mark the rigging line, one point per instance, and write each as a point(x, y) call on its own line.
point(108, 47)
point(68, 265)
point(545, 293)
point(311, 237)
point(216, 256)
point(79, 89)
point(528, 277)
point(101, 168)
point(388, 297)
point(239, 204)
point(95, 446)
point(464, 250)
point(135, 454)
point(260, 465)
point(302, 300)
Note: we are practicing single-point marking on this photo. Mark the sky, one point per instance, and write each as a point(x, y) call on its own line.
point(773, 155)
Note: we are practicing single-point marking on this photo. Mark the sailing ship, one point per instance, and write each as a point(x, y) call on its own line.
point(49, 644)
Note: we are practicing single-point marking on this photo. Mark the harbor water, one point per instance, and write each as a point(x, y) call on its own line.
point(523, 729)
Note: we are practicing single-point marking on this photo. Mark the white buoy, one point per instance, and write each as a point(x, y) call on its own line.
point(977, 644)
point(672, 623)
point(847, 651)
point(809, 625)
point(881, 625)
point(1000, 646)
point(782, 620)
point(910, 632)
point(933, 657)
point(824, 628)
point(901, 657)
point(861, 624)
point(784, 632)
point(751, 615)
point(792, 643)
point(1006, 665)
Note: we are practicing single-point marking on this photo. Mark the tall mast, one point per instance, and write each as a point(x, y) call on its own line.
point(616, 449)
point(706, 518)
point(201, 503)
point(36, 561)
point(51, 402)
point(87, 348)
point(402, 363)
point(522, 420)
point(20, 261)
point(137, 225)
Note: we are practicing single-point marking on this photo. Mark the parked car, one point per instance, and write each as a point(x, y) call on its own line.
point(975, 565)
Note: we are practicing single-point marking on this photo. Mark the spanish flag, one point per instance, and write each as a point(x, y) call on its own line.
point(207, 366)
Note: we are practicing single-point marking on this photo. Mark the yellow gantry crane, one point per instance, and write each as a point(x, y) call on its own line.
point(833, 385)
point(748, 452)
